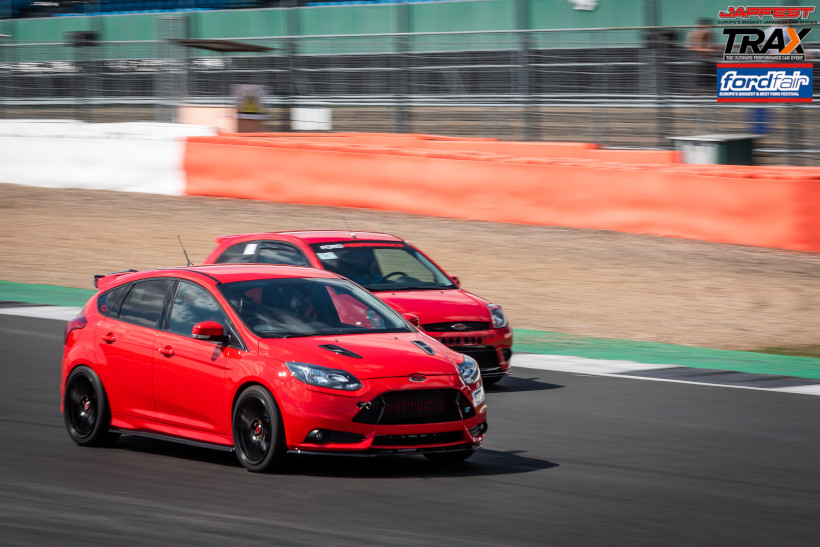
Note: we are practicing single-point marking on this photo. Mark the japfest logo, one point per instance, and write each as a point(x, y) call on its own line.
point(740, 15)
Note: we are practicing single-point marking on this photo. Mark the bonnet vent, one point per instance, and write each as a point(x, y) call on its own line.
point(340, 350)
point(425, 347)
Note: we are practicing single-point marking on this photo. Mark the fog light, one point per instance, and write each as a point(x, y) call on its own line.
point(317, 436)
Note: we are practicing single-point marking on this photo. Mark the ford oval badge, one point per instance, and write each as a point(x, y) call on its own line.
point(418, 378)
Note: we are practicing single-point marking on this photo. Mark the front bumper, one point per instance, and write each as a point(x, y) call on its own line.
point(492, 349)
point(329, 422)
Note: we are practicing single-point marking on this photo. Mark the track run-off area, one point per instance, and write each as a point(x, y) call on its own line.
point(572, 457)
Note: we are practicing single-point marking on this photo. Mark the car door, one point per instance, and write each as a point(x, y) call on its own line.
point(125, 341)
point(189, 374)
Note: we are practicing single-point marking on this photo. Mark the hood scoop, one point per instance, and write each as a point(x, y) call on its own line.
point(425, 347)
point(340, 350)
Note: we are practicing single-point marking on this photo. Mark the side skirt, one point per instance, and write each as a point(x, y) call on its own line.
point(173, 439)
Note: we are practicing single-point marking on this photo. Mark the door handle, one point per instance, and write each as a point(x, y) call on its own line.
point(167, 351)
point(109, 338)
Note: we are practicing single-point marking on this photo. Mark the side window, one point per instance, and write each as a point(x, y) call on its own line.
point(280, 253)
point(240, 253)
point(144, 302)
point(108, 303)
point(192, 305)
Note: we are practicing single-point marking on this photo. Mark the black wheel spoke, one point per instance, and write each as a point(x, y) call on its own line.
point(256, 430)
point(86, 415)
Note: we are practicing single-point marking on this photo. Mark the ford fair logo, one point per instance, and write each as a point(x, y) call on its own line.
point(418, 378)
point(458, 326)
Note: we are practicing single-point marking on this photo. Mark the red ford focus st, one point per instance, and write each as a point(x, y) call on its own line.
point(265, 361)
point(399, 274)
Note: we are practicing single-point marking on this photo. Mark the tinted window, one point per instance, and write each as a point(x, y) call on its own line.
point(280, 253)
point(309, 307)
point(193, 304)
point(239, 253)
point(264, 252)
point(143, 304)
point(108, 303)
point(382, 266)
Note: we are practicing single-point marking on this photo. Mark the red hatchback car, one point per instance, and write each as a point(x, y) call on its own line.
point(399, 274)
point(264, 360)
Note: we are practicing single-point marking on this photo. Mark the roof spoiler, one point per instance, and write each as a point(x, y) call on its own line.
point(97, 277)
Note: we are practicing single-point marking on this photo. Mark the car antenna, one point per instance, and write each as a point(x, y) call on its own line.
point(184, 252)
point(347, 225)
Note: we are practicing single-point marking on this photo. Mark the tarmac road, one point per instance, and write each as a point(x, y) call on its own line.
point(569, 460)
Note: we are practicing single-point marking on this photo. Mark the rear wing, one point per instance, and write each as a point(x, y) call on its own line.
point(103, 280)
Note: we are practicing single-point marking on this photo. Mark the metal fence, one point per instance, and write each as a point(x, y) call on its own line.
point(628, 87)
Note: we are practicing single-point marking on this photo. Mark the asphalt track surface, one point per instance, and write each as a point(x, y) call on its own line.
point(569, 460)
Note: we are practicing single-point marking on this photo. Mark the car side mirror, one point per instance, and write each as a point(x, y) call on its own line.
point(456, 280)
point(414, 319)
point(208, 330)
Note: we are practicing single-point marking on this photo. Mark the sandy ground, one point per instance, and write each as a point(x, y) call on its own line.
point(585, 282)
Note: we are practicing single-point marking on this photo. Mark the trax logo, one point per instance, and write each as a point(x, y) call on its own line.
point(784, 41)
point(775, 12)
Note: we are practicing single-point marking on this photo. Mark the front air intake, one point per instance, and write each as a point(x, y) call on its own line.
point(417, 406)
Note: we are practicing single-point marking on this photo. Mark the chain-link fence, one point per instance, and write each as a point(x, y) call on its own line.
point(625, 87)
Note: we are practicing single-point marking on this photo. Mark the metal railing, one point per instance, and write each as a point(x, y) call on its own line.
point(626, 87)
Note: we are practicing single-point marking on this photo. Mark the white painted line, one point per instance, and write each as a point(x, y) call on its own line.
point(43, 312)
point(564, 363)
point(805, 390)
point(620, 369)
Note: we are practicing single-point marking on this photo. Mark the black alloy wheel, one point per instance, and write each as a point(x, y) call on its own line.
point(258, 433)
point(85, 409)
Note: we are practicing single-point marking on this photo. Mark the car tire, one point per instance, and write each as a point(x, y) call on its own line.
point(85, 409)
point(446, 458)
point(258, 432)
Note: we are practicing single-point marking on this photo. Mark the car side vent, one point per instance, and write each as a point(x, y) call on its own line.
point(340, 350)
point(425, 347)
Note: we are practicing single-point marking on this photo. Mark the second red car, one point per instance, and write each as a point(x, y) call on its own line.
point(399, 274)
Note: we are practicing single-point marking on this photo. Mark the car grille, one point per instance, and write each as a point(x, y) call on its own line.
point(454, 341)
point(417, 440)
point(485, 356)
point(448, 326)
point(343, 437)
point(417, 406)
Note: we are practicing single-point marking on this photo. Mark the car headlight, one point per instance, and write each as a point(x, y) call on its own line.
point(469, 371)
point(323, 377)
point(497, 315)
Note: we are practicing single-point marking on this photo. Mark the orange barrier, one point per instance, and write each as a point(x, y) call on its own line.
point(762, 206)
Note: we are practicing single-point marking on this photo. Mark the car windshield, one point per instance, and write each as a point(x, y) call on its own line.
point(382, 266)
point(282, 308)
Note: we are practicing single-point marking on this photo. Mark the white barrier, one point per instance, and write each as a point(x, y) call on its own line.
point(130, 157)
